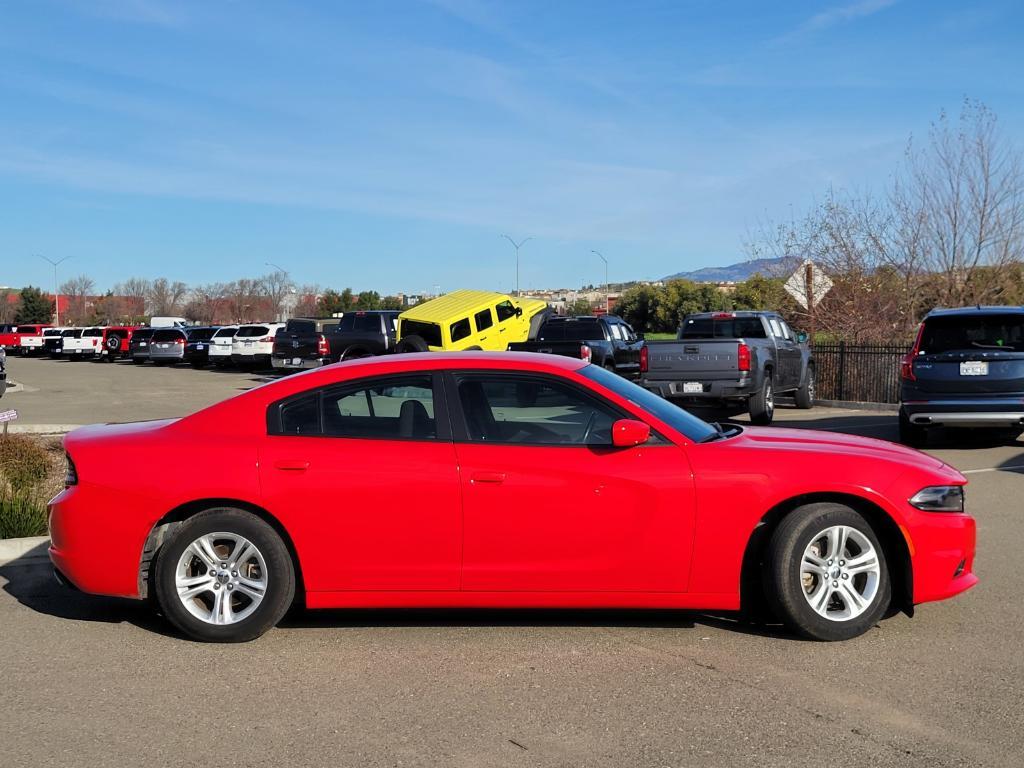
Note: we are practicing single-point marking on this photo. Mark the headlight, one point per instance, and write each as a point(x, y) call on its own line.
point(939, 498)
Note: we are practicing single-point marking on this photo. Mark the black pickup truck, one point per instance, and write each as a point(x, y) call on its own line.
point(607, 341)
point(307, 343)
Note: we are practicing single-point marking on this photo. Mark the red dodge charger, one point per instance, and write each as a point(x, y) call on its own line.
point(500, 480)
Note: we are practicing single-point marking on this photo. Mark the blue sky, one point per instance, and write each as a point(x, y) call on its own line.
point(390, 144)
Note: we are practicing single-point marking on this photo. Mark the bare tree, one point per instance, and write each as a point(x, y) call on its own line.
point(8, 306)
point(205, 302)
point(78, 291)
point(245, 299)
point(308, 301)
point(135, 292)
point(276, 287)
point(165, 297)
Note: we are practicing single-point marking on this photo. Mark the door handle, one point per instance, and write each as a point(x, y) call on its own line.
point(291, 465)
point(488, 477)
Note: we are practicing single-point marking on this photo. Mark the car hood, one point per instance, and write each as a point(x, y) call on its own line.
point(838, 444)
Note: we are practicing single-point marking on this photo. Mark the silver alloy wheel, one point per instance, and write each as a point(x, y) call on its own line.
point(840, 573)
point(810, 385)
point(769, 398)
point(221, 578)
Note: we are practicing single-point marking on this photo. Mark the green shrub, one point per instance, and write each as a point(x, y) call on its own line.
point(24, 462)
point(21, 515)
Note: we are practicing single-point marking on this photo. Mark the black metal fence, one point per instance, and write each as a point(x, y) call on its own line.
point(867, 373)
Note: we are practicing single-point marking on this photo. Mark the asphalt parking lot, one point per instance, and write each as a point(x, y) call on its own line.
point(98, 682)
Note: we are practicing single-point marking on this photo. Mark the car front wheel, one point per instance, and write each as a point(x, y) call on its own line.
point(225, 576)
point(827, 574)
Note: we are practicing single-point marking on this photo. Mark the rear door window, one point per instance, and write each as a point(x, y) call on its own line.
point(483, 319)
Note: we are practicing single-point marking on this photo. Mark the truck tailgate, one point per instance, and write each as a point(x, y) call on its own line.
point(693, 359)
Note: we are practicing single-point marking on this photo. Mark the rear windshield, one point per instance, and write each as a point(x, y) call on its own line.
point(300, 326)
point(571, 330)
point(248, 331)
point(225, 332)
point(51, 332)
point(73, 334)
point(722, 328)
point(361, 321)
point(201, 334)
point(429, 332)
point(28, 329)
point(92, 332)
point(167, 334)
point(142, 333)
point(954, 333)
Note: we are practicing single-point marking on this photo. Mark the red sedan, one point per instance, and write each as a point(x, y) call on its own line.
point(508, 480)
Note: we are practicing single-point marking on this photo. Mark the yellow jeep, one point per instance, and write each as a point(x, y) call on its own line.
point(469, 320)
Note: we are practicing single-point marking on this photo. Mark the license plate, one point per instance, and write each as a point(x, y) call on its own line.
point(692, 387)
point(248, 343)
point(163, 346)
point(296, 361)
point(200, 347)
point(974, 368)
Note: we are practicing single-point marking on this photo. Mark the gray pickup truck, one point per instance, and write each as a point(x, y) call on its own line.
point(729, 358)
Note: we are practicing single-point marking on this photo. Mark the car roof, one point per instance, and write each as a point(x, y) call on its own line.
point(452, 304)
point(991, 309)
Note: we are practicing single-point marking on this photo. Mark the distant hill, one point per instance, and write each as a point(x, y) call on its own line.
point(734, 272)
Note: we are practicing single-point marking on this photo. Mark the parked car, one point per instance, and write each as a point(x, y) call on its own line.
point(30, 339)
point(732, 358)
point(501, 480)
point(168, 322)
point(219, 354)
point(197, 345)
point(167, 346)
point(363, 334)
point(3, 371)
point(966, 369)
point(53, 341)
point(76, 343)
point(9, 336)
point(606, 341)
point(117, 340)
point(478, 320)
point(139, 345)
point(253, 344)
point(56, 348)
point(302, 343)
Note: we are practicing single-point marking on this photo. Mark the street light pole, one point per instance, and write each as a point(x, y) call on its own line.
point(281, 312)
point(56, 295)
point(607, 292)
point(517, 246)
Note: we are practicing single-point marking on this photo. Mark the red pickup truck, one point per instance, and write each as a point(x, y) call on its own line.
point(30, 337)
point(9, 336)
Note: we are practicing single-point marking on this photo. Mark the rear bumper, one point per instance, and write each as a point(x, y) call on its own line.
point(303, 364)
point(966, 412)
point(254, 358)
point(725, 389)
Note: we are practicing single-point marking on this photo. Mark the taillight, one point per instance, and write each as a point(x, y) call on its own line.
point(907, 364)
point(644, 353)
point(266, 339)
point(321, 346)
point(585, 353)
point(71, 478)
point(743, 357)
point(179, 341)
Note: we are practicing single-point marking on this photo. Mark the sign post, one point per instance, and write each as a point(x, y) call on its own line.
point(7, 417)
point(808, 285)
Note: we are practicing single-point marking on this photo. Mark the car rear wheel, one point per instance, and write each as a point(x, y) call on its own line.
point(827, 574)
point(225, 576)
point(912, 434)
point(805, 395)
point(762, 405)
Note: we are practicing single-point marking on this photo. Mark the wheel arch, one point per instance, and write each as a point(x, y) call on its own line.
point(894, 545)
point(166, 525)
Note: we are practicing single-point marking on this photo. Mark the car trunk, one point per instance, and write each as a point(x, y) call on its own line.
point(975, 354)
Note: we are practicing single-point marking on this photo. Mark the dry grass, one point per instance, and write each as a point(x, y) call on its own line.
point(31, 471)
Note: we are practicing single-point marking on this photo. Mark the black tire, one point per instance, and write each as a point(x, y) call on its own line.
point(913, 435)
point(280, 576)
point(197, 364)
point(139, 360)
point(804, 396)
point(412, 343)
point(761, 405)
point(355, 353)
point(785, 585)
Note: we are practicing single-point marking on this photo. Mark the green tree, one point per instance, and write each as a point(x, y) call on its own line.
point(33, 307)
point(760, 292)
point(368, 300)
point(391, 302)
point(684, 297)
point(579, 307)
point(637, 306)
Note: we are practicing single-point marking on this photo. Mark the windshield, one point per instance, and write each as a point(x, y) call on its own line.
point(971, 332)
point(225, 332)
point(429, 332)
point(300, 326)
point(722, 328)
point(142, 334)
point(251, 331)
point(167, 334)
point(683, 422)
point(201, 334)
point(28, 329)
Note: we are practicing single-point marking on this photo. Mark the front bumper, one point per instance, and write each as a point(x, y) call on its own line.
point(297, 363)
point(942, 553)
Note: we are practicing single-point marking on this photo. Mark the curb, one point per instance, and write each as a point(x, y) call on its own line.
point(29, 551)
point(855, 405)
point(42, 429)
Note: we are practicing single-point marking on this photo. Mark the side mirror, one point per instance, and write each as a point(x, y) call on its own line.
point(801, 338)
point(629, 432)
point(519, 311)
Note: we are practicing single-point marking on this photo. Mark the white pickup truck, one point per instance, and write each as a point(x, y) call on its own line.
point(88, 343)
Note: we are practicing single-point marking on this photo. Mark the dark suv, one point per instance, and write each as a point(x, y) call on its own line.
point(966, 370)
